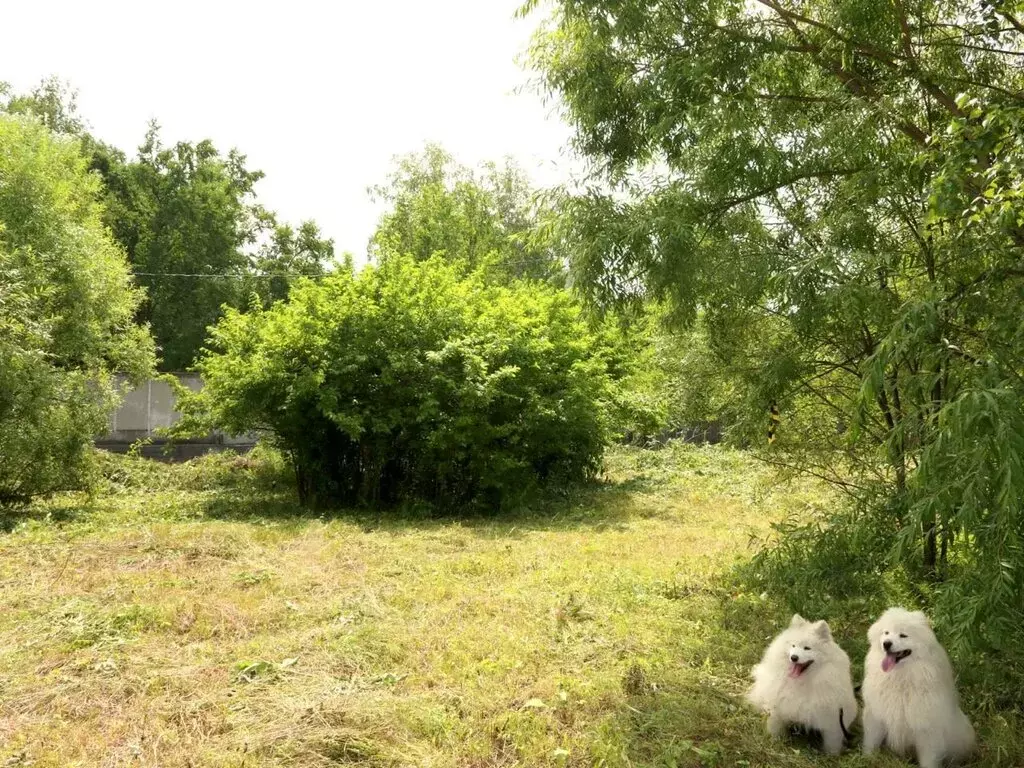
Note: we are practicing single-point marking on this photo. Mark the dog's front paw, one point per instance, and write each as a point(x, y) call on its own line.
point(833, 742)
point(776, 726)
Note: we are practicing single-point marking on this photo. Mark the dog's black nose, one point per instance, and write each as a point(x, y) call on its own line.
point(887, 644)
point(794, 658)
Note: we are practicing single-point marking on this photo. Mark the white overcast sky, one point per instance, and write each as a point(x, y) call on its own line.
point(318, 95)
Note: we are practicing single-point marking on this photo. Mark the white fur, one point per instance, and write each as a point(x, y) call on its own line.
point(815, 698)
point(912, 706)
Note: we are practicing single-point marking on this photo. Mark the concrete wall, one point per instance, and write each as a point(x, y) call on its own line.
point(146, 409)
point(151, 406)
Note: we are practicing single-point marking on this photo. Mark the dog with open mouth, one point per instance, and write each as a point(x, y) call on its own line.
point(910, 698)
point(804, 679)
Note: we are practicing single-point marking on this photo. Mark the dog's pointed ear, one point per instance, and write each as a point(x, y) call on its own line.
point(822, 629)
point(797, 620)
point(875, 632)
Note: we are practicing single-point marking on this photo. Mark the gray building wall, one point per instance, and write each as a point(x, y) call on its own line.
point(152, 406)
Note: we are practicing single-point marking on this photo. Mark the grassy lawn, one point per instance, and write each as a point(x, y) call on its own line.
point(193, 616)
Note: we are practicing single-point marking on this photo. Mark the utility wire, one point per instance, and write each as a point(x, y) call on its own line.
point(224, 275)
point(244, 275)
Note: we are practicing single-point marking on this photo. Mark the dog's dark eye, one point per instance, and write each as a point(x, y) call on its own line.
point(902, 635)
point(807, 647)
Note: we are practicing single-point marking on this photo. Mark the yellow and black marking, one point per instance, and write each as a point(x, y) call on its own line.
point(774, 414)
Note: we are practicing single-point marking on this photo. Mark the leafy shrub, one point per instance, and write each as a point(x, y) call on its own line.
point(410, 381)
point(638, 405)
point(668, 380)
point(813, 565)
point(66, 313)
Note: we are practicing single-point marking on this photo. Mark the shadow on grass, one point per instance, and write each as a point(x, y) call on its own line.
point(62, 511)
point(263, 490)
point(691, 712)
point(696, 724)
point(240, 489)
point(11, 517)
point(689, 709)
point(601, 505)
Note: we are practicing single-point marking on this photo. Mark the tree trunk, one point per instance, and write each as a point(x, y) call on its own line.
point(944, 554)
point(930, 549)
point(931, 532)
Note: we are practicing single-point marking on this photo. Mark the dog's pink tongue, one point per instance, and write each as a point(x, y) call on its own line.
point(888, 662)
point(795, 670)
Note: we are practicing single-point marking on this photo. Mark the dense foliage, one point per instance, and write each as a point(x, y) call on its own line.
point(198, 239)
point(412, 381)
point(285, 254)
point(188, 217)
point(485, 220)
point(67, 303)
point(834, 187)
point(182, 212)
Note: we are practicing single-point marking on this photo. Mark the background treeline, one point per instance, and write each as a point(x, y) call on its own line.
point(455, 368)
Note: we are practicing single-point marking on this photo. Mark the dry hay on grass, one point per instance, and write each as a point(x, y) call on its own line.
point(181, 626)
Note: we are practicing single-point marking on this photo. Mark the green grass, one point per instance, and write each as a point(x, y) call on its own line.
point(194, 616)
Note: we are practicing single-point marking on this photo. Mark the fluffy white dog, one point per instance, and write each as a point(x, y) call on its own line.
point(804, 679)
point(910, 700)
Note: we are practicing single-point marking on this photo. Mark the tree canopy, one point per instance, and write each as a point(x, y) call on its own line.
point(184, 213)
point(188, 217)
point(833, 187)
point(485, 219)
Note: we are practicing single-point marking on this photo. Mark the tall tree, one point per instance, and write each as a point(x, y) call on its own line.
point(832, 183)
point(67, 304)
point(199, 239)
point(286, 254)
point(486, 219)
point(190, 222)
point(53, 101)
point(186, 215)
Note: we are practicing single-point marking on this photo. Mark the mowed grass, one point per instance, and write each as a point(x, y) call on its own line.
point(195, 616)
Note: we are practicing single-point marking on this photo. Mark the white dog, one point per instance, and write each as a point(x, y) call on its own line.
point(910, 700)
point(804, 679)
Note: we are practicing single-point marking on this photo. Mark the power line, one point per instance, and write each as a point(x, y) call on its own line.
point(242, 275)
point(245, 275)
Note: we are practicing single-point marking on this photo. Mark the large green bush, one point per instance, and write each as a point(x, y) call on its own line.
point(411, 381)
point(66, 313)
